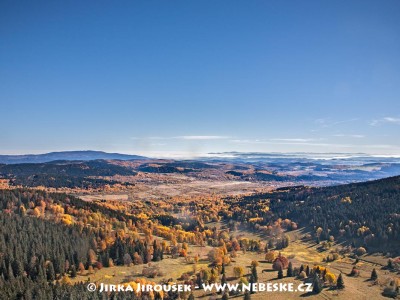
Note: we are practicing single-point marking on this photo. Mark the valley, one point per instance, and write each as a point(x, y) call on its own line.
point(194, 223)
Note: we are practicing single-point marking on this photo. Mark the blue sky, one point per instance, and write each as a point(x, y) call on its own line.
point(189, 77)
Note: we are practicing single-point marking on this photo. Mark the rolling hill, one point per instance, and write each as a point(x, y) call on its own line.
point(65, 155)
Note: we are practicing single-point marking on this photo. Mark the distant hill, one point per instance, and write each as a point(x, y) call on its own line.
point(66, 168)
point(63, 173)
point(65, 155)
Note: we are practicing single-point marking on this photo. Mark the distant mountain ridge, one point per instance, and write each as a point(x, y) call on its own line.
point(65, 155)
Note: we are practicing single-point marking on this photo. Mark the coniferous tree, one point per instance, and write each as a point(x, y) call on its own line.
point(374, 275)
point(290, 270)
point(280, 273)
point(73, 271)
point(340, 282)
point(18, 268)
point(390, 264)
point(254, 273)
point(50, 273)
point(156, 256)
point(10, 275)
point(246, 296)
point(223, 278)
point(251, 284)
point(301, 269)
point(199, 281)
point(317, 285)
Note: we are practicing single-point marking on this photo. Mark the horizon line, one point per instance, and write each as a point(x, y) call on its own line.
point(188, 154)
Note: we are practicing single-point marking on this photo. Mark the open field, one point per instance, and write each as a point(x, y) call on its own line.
point(171, 185)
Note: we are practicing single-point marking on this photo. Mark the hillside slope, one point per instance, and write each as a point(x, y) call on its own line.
point(368, 212)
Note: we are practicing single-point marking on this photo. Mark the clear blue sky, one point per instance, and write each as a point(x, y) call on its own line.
point(200, 76)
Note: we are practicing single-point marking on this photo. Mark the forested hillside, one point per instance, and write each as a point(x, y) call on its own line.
point(365, 211)
point(46, 239)
point(58, 174)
